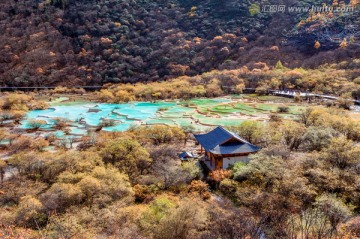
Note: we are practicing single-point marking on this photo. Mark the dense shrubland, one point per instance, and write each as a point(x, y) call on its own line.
point(72, 42)
point(21, 102)
point(306, 174)
point(304, 183)
point(334, 79)
point(328, 29)
point(49, 189)
point(13, 106)
point(211, 84)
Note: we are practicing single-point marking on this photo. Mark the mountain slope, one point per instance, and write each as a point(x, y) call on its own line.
point(80, 42)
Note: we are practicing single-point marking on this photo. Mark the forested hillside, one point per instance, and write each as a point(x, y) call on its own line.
point(78, 42)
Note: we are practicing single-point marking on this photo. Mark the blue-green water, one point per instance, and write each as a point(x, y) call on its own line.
point(199, 113)
point(92, 115)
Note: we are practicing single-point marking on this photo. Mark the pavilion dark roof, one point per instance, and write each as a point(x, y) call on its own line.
point(222, 141)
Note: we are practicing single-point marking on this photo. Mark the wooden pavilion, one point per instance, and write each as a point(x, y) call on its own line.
point(223, 148)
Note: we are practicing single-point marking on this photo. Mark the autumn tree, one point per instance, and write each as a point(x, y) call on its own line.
point(341, 153)
point(219, 175)
point(249, 130)
point(293, 134)
point(159, 134)
point(213, 88)
point(172, 174)
point(60, 123)
point(321, 220)
point(3, 134)
point(345, 101)
point(127, 155)
point(182, 222)
point(232, 222)
point(156, 211)
point(3, 166)
point(188, 130)
point(201, 188)
point(36, 124)
point(334, 209)
point(279, 66)
point(39, 144)
point(30, 212)
point(123, 96)
point(100, 186)
point(343, 44)
point(318, 137)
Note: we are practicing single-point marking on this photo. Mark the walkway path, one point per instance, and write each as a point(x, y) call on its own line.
point(304, 94)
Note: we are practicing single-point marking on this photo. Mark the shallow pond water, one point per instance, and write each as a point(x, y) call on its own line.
point(199, 113)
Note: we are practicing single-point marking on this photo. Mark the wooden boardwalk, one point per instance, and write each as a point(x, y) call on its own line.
point(292, 94)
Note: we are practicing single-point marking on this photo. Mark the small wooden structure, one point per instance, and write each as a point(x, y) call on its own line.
point(223, 148)
point(184, 156)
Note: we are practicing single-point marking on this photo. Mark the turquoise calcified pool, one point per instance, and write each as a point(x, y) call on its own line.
point(199, 113)
point(93, 114)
